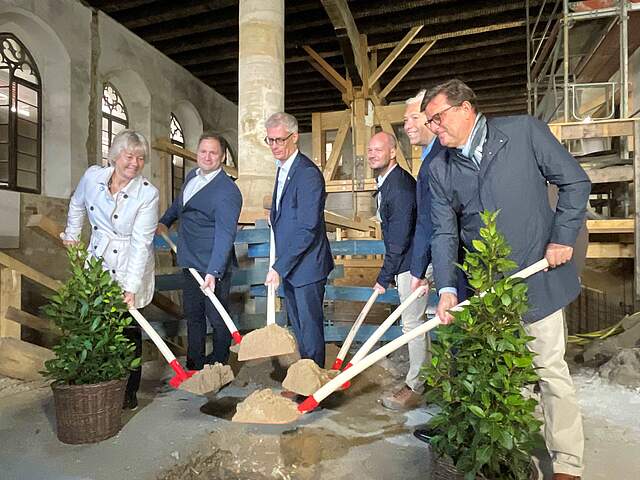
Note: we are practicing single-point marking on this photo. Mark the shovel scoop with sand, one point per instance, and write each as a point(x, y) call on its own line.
point(272, 340)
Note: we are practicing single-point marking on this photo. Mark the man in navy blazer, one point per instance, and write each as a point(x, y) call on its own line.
point(303, 257)
point(208, 209)
point(396, 199)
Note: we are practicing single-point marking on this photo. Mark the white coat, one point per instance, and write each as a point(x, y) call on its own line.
point(122, 228)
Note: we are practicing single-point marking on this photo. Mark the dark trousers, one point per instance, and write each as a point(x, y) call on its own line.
point(305, 313)
point(134, 333)
point(197, 309)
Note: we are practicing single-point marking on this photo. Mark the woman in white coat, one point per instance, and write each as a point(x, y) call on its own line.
point(122, 208)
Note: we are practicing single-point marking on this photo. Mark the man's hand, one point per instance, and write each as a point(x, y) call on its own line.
point(557, 254)
point(162, 229)
point(129, 299)
point(209, 282)
point(447, 302)
point(419, 282)
point(379, 288)
point(272, 279)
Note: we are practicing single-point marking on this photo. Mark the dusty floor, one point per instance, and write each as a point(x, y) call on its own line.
point(178, 436)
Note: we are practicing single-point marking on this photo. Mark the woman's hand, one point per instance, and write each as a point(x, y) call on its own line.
point(129, 299)
point(70, 243)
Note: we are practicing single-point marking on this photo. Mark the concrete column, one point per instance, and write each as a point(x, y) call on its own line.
point(260, 94)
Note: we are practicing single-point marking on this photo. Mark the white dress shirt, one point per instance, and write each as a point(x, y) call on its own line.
point(379, 181)
point(283, 175)
point(197, 183)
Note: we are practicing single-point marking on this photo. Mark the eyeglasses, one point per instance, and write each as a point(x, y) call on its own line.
point(278, 141)
point(437, 118)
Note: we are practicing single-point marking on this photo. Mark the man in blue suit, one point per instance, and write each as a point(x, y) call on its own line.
point(208, 209)
point(303, 257)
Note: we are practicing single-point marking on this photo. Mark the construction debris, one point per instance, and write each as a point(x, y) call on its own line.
point(623, 368)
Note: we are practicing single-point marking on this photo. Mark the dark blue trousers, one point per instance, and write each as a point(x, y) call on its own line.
point(197, 309)
point(305, 313)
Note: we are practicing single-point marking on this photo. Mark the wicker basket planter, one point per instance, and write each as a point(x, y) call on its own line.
point(442, 468)
point(88, 413)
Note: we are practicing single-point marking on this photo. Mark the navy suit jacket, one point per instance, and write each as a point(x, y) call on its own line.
point(421, 252)
point(398, 219)
point(208, 225)
point(303, 255)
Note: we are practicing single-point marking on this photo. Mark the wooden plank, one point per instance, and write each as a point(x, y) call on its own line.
point(374, 263)
point(167, 305)
point(344, 247)
point(609, 250)
point(331, 120)
point(386, 126)
point(336, 150)
point(407, 68)
point(28, 320)
point(368, 185)
point(29, 272)
point(342, 20)
point(326, 70)
point(338, 333)
point(22, 360)
point(355, 224)
point(622, 225)
point(398, 49)
point(10, 296)
point(318, 140)
point(45, 225)
point(394, 113)
point(165, 145)
point(349, 294)
point(597, 129)
point(615, 173)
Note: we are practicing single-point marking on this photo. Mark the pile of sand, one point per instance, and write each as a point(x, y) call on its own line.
point(268, 341)
point(265, 406)
point(208, 380)
point(306, 377)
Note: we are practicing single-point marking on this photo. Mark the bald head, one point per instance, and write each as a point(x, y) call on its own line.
point(381, 152)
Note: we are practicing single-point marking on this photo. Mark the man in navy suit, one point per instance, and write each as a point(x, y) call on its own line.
point(303, 257)
point(208, 209)
point(396, 199)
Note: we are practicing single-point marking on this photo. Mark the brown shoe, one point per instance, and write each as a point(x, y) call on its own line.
point(564, 476)
point(403, 399)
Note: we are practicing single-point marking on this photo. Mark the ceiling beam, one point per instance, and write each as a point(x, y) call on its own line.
point(326, 70)
point(406, 69)
point(167, 10)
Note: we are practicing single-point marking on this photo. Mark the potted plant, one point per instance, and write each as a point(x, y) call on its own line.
point(93, 358)
point(480, 367)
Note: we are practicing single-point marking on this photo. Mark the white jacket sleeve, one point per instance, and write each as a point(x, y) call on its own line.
point(144, 227)
point(77, 212)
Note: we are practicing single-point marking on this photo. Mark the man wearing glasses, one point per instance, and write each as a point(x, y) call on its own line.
point(504, 164)
point(303, 257)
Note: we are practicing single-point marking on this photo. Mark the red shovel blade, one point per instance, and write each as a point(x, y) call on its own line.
point(181, 374)
point(347, 384)
point(337, 364)
point(308, 405)
point(237, 338)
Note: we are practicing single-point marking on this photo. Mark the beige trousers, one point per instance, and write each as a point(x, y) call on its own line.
point(562, 420)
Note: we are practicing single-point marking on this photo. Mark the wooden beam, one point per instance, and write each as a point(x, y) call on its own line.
point(336, 150)
point(617, 225)
point(167, 305)
point(318, 141)
point(368, 185)
point(45, 225)
point(596, 129)
point(327, 71)
point(615, 173)
point(37, 323)
point(609, 250)
point(22, 360)
point(398, 49)
point(164, 145)
point(331, 120)
point(29, 272)
point(357, 223)
point(342, 19)
point(407, 68)
point(10, 296)
point(387, 127)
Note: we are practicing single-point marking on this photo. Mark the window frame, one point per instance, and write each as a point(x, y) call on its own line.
point(111, 119)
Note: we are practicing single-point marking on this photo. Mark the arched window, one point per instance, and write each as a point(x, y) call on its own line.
point(177, 163)
point(20, 117)
point(114, 117)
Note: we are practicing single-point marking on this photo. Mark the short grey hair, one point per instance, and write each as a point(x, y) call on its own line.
point(129, 140)
point(417, 98)
point(281, 118)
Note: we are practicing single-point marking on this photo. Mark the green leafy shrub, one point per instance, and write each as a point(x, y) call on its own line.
point(90, 311)
point(480, 368)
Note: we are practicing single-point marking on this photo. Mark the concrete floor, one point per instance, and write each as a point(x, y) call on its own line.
point(178, 436)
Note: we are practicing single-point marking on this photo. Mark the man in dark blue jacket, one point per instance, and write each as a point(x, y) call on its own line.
point(505, 164)
point(396, 199)
point(208, 209)
point(303, 256)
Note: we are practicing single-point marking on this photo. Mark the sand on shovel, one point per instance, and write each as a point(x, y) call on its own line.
point(269, 341)
point(208, 380)
point(266, 406)
point(305, 377)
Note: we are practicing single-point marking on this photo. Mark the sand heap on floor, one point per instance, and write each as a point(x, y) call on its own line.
point(268, 341)
point(208, 380)
point(305, 377)
point(265, 406)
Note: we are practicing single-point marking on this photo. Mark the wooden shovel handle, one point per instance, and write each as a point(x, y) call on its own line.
point(271, 291)
point(354, 330)
point(153, 335)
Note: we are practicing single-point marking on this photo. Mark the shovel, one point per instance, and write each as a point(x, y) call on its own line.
point(237, 338)
point(310, 403)
point(337, 365)
point(272, 340)
point(181, 374)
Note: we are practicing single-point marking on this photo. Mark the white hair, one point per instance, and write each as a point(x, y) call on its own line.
point(281, 118)
point(417, 98)
point(129, 140)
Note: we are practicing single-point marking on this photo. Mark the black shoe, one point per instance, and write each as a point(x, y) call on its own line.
point(130, 403)
point(425, 434)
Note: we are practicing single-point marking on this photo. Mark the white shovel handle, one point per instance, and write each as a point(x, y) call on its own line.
point(153, 335)
point(271, 291)
point(331, 386)
point(356, 325)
